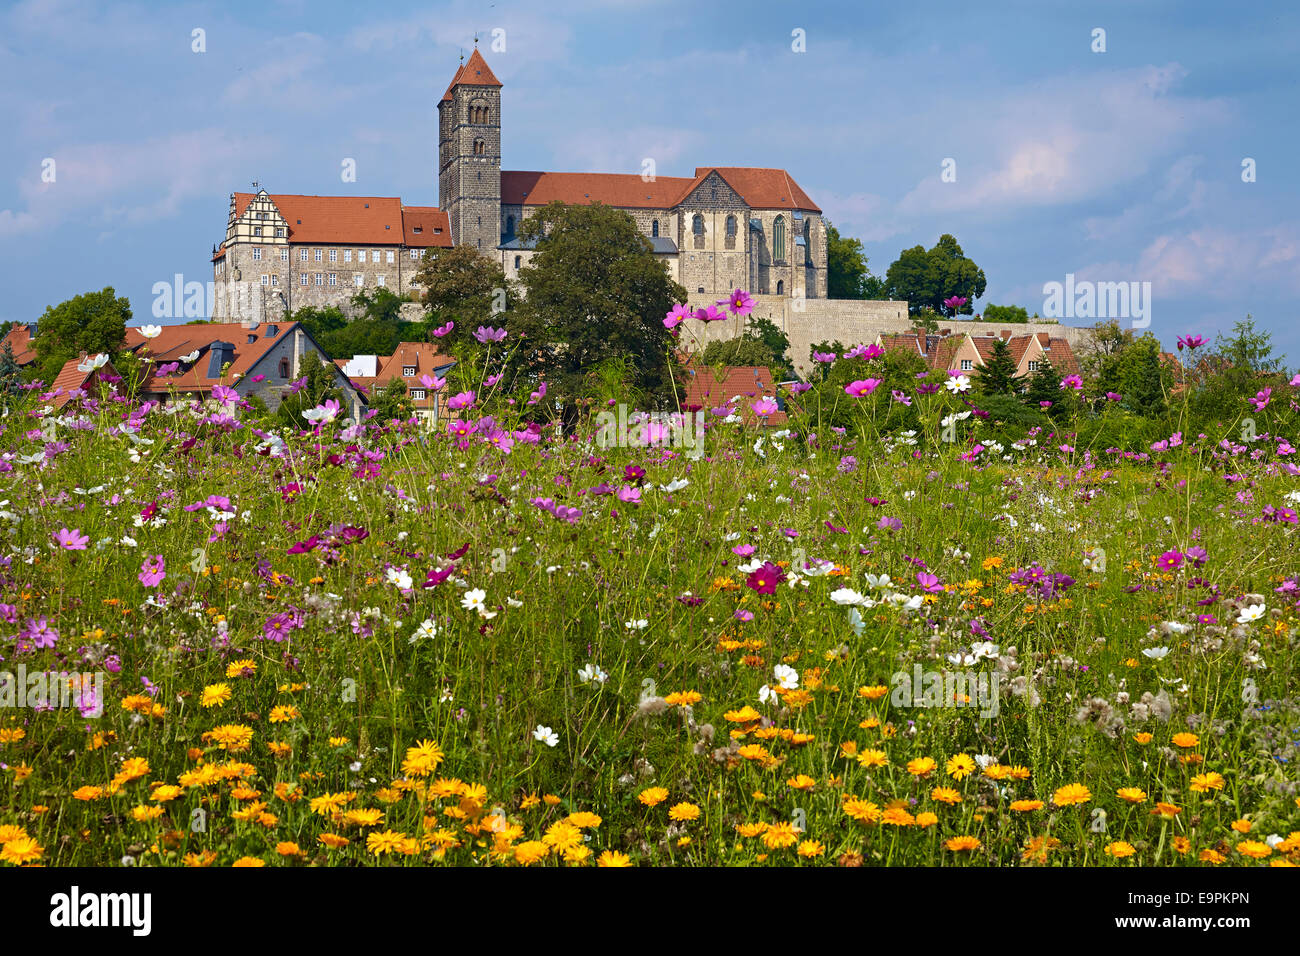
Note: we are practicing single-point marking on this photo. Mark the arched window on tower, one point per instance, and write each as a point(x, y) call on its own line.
point(780, 287)
point(778, 239)
point(697, 229)
point(731, 232)
point(479, 147)
point(518, 261)
point(654, 228)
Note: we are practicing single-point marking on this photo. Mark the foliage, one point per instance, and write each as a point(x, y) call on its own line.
point(94, 323)
point(1005, 313)
point(925, 278)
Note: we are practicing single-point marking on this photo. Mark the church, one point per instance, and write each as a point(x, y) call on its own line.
point(723, 228)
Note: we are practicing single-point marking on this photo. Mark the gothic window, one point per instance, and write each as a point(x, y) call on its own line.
point(518, 260)
point(780, 286)
point(284, 368)
point(654, 228)
point(697, 229)
point(778, 239)
point(731, 232)
point(479, 147)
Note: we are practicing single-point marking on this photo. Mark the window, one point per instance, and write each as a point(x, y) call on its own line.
point(334, 278)
point(361, 255)
point(697, 225)
point(302, 255)
point(408, 370)
point(334, 255)
point(279, 232)
point(347, 255)
point(701, 288)
point(257, 230)
point(318, 255)
point(731, 226)
point(257, 255)
point(967, 364)
point(266, 280)
point(320, 278)
point(1033, 366)
point(284, 255)
point(417, 394)
point(302, 279)
point(480, 243)
point(284, 368)
point(379, 281)
point(780, 286)
point(374, 256)
point(654, 229)
point(518, 261)
point(778, 239)
point(415, 253)
point(390, 257)
point(510, 225)
point(480, 148)
point(358, 279)
point(275, 280)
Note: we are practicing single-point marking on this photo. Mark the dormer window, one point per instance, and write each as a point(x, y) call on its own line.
point(408, 370)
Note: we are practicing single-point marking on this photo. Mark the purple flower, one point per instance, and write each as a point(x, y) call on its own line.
point(39, 634)
point(72, 540)
point(152, 571)
point(485, 335)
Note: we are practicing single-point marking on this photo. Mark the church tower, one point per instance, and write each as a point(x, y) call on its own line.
point(469, 156)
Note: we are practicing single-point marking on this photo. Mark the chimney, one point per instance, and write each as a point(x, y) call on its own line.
point(219, 353)
point(1006, 335)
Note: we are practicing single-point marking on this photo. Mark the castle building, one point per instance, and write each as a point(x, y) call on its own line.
point(723, 228)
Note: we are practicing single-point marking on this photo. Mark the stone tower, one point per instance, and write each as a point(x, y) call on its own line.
point(469, 156)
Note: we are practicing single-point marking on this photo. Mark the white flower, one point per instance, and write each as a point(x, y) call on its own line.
point(676, 484)
point(961, 659)
point(128, 541)
point(959, 384)
point(639, 624)
point(847, 596)
point(426, 631)
point(90, 363)
point(473, 600)
point(546, 735)
point(592, 674)
point(400, 578)
point(151, 331)
point(1155, 653)
point(192, 357)
point(881, 583)
point(985, 760)
point(513, 603)
point(1251, 613)
point(766, 694)
point(984, 649)
point(786, 676)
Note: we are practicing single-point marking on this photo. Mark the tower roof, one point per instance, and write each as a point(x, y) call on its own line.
point(473, 72)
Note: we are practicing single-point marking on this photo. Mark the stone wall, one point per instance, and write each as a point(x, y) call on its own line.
point(849, 321)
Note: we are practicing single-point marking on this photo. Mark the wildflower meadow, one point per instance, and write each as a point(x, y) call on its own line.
point(849, 640)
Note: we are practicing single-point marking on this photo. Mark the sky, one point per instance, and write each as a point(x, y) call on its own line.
point(1161, 151)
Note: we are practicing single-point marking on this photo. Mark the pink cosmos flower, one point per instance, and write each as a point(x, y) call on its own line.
point(485, 335)
point(460, 400)
point(152, 571)
point(826, 358)
point(629, 495)
point(1191, 341)
point(444, 329)
point(674, 318)
point(1295, 382)
point(537, 396)
point(740, 304)
point(764, 407)
point(1071, 381)
point(72, 540)
point(862, 387)
point(1262, 398)
point(864, 352)
point(709, 314)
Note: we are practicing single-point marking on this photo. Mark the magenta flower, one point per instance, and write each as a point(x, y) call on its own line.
point(929, 583)
point(442, 330)
point(766, 578)
point(152, 571)
point(743, 550)
point(864, 352)
point(901, 397)
point(709, 314)
point(862, 387)
point(629, 495)
point(1295, 382)
point(1262, 398)
point(1191, 341)
point(485, 335)
point(955, 302)
point(1169, 561)
point(826, 358)
point(537, 396)
point(72, 540)
point(740, 304)
point(460, 400)
point(764, 407)
point(224, 395)
point(1071, 381)
point(1114, 396)
point(674, 318)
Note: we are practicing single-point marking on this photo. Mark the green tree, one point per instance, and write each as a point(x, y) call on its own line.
point(594, 290)
point(94, 322)
point(1045, 386)
point(1144, 385)
point(925, 278)
point(321, 384)
point(11, 377)
point(1005, 313)
point(997, 376)
point(463, 286)
point(393, 402)
point(847, 275)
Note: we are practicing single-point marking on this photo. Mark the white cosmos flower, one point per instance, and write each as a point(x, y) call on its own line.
point(880, 583)
point(1155, 653)
point(639, 624)
point(959, 384)
point(1250, 613)
point(590, 674)
point(984, 649)
point(151, 331)
point(847, 597)
point(786, 676)
point(400, 578)
point(473, 600)
point(675, 485)
point(90, 363)
point(192, 357)
point(546, 735)
point(766, 694)
point(426, 631)
point(961, 659)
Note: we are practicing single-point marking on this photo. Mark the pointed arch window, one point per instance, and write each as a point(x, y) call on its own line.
point(778, 239)
point(731, 232)
point(697, 229)
point(654, 229)
point(480, 148)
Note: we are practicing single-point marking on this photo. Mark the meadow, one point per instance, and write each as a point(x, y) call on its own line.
point(497, 644)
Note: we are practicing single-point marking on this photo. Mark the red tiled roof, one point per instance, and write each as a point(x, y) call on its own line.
point(71, 377)
point(364, 220)
point(625, 190)
point(1062, 357)
point(425, 226)
point(20, 341)
point(473, 72)
point(424, 357)
point(907, 341)
point(761, 188)
point(748, 383)
point(178, 340)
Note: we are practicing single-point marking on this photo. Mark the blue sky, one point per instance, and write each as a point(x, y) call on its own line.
point(1117, 166)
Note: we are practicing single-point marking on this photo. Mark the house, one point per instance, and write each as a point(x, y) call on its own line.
point(79, 377)
point(255, 359)
point(737, 390)
point(410, 363)
point(19, 338)
point(965, 353)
